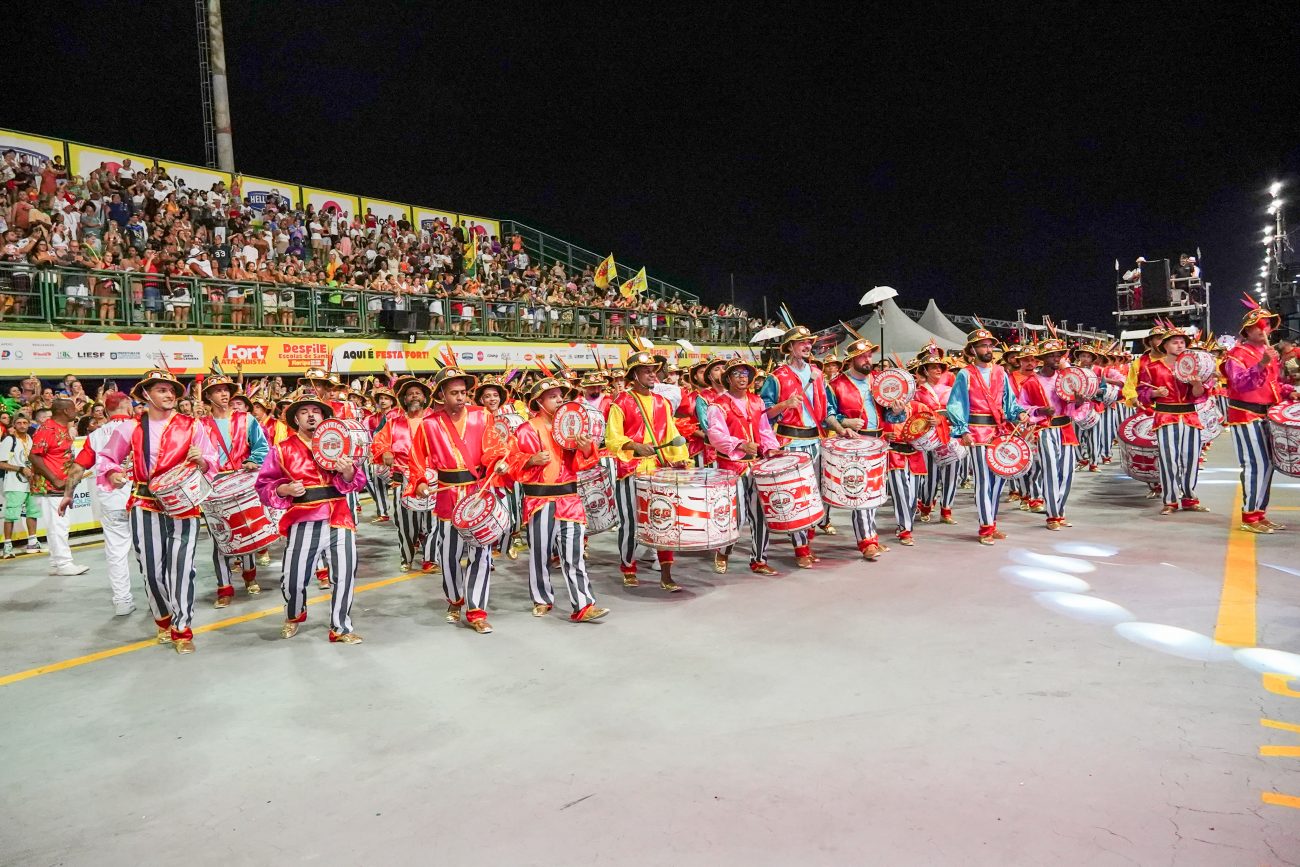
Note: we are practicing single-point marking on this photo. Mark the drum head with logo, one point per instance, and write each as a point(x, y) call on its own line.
point(571, 421)
point(1008, 455)
point(893, 385)
point(1286, 414)
point(472, 509)
point(858, 447)
point(914, 427)
point(1139, 430)
point(331, 441)
point(1193, 365)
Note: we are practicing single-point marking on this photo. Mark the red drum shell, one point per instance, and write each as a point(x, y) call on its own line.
point(237, 519)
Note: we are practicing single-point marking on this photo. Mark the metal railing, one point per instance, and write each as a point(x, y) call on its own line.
point(545, 250)
point(51, 296)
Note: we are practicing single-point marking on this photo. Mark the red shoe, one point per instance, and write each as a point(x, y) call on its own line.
point(323, 578)
point(905, 538)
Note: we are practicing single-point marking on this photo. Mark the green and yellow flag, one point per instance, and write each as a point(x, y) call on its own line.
point(469, 266)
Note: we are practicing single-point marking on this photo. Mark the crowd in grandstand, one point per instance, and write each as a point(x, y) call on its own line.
point(154, 228)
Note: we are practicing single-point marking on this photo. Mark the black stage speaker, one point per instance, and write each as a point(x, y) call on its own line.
point(1155, 284)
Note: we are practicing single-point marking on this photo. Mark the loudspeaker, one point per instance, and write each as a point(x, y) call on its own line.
point(1155, 284)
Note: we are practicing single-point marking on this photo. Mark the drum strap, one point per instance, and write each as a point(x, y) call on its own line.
point(649, 428)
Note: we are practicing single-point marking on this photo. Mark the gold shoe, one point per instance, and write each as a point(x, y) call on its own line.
point(344, 637)
point(829, 530)
point(517, 547)
point(720, 563)
point(1152, 494)
point(1197, 508)
point(1038, 510)
point(1052, 525)
point(591, 612)
point(1024, 505)
point(1271, 524)
point(183, 645)
point(948, 520)
point(630, 580)
point(289, 629)
point(541, 609)
point(906, 540)
point(1261, 528)
point(986, 540)
point(253, 588)
point(264, 559)
point(924, 519)
point(870, 553)
point(164, 635)
point(482, 627)
point(453, 612)
point(222, 602)
point(804, 561)
point(1168, 510)
point(998, 534)
point(761, 569)
point(669, 585)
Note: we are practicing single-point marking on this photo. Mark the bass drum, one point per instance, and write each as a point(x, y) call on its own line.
point(687, 510)
point(1211, 419)
point(597, 494)
point(1284, 436)
point(853, 472)
point(1138, 454)
point(789, 492)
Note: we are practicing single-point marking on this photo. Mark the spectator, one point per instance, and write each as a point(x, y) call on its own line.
point(15, 466)
point(51, 457)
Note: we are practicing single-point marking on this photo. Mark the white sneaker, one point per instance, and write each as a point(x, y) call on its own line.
point(121, 609)
point(34, 549)
point(8, 552)
point(71, 569)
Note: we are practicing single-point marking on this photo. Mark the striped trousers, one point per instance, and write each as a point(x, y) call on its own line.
point(939, 482)
point(1179, 447)
point(411, 527)
point(549, 534)
point(1089, 451)
point(988, 487)
point(751, 511)
point(864, 525)
point(378, 489)
point(902, 490)
point(307, 543)
point(1109, 428)
point(431, 550)
point(221, 564)
point(1054, 469)
point(813, 449)
point(470, 583)
point(1254, 453)
point(164, 551)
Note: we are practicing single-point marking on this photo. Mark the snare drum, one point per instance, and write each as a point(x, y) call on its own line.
point(788, 491)
point(687, 510)
point(1194, 365)
point(892, 385)
point(1008, 456)
point(181, 490)
point(506, 424)
point(853, 472)
point(922, 432)
point(1211, 419)
point(237, 519)
point(1109, 393)
point(597, 494)
point(481, 518)
point(1138, 453)
point(1284, 435)
point(420, 504)
point(1072, 382)
point(336, 437)
point(951, 452)
point(1089, 419)
point(572, 421)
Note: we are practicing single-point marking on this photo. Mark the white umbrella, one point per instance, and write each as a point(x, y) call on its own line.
point(766, 334)
point(878, 294)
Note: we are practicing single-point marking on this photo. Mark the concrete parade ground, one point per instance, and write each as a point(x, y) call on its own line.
point(1107, 694)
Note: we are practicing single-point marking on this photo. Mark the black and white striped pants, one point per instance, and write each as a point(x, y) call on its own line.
point(308, 542)
point(431, 550)
point(902, 490)
point(549, 534)
point(1053, 470)
point(751, 509)
point(1180, 461)
point(164, 551)
point(378, 489)
point(625, 503)
point(411, 527)
point(864, 525)
point(472, 582)
point(1255, 455)
point(988, 486)
point(221, 564)
point(939, 482)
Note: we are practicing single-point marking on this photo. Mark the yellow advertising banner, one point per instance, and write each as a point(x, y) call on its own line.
point(481, 224)
point(384, 210)
point(195, 177)
point(84, 159)
point(31, 150)
point(259, 191)
point(425, 217)
point(325, 200)
point(93, 354)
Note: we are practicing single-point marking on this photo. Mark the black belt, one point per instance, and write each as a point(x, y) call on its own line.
point(873, 432)
point(1175, 408)
point(903, 448)
point(540, 489)
point(1058, 421)
point(981, 419)
point(318, 494)
point(456, 477)
point(1256, 408)
point(142, 492)
point(805, 433)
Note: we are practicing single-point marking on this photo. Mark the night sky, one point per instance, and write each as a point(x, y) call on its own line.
point(991, 163)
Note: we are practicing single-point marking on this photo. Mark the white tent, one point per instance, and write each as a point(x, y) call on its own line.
point(935, 322)
point(901, 334)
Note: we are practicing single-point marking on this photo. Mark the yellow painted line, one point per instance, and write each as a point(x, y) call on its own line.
point(1278, 799)
point(210, 627)
point(1284, 508)
point(1277, 724)
point(1236, 621)
point(1279, 684)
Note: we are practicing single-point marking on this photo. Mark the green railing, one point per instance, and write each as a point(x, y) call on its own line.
point(58, 297)
point(545, 250)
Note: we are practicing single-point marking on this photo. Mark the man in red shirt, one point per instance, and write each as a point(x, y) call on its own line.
point(51, 456)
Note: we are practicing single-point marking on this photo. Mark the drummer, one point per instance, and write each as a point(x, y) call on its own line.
point(695, 388)
point(856, 409)
point(493, 395)
point(1089, 440)
point(982, 405)
point(317, 523)
point(1138, 370)
point(1020, 362)
point(940, 482)
point(552, 508)
point(1055, 433)
point(906, 462)
point(741, 434)
point(797, 403)
point(461, 446)
point(391, 447)
point(241, 447)
point(160, 441)
point(378, 476)
point(1252, 368)
point(1178, 427)
point(642, 437)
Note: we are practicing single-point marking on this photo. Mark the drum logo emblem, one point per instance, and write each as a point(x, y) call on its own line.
point(721, 514)
point(854, 481)
point(219, 530)
point(782, 502)
point(594, 503)
point(662, 513)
